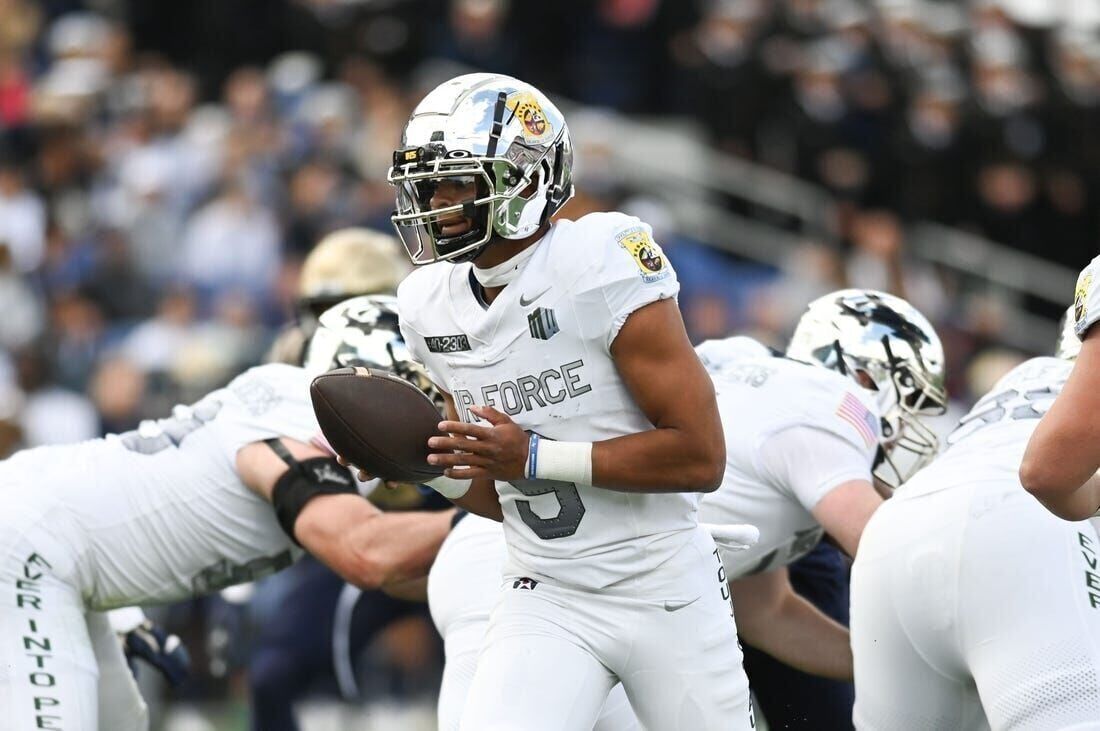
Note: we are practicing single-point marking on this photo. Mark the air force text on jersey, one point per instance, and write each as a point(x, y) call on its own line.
point(551, 386)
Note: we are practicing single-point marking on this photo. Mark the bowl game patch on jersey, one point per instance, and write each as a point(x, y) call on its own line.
point(645, 252)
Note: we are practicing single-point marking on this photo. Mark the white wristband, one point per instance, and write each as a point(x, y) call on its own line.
point(561, 461)
point(448, 487)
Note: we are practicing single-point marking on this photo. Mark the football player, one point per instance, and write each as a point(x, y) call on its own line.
point(1063, 456)
point(972, 605)
point(842, 409)
point(179, 508)
point(294, 648)
point(349, 262)
point(578, 412)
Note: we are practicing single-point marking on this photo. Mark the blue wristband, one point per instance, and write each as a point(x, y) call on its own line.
point(532, 457)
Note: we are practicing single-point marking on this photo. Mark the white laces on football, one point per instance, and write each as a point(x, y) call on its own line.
point(506, 272)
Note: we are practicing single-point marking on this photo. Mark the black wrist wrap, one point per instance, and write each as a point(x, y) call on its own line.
point(304, 481)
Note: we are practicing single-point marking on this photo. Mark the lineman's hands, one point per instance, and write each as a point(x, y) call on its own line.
point(497, 451)
point(163, 651)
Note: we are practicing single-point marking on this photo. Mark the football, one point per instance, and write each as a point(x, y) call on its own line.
point(377, 421)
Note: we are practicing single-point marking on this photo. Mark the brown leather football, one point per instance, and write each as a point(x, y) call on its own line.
point(377, 421)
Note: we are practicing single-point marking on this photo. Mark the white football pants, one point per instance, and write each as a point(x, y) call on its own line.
point(462, 590)
point(60, 666)
point(973, 607)
point(551, 655)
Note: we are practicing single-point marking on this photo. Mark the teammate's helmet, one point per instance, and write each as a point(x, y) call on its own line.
point(495, 132)
point(1069, 345)
point(348, 263)
point(885, 344)
point(363, 331)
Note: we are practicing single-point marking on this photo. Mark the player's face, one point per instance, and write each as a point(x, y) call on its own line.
point(449, 192)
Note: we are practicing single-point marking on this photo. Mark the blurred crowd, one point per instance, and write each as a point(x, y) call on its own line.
point(165, 167)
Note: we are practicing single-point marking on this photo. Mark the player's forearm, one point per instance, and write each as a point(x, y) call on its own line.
point(1057, 470)
point(800, 635)
point(659, 460)
point(367, 547)
point(1063, 453)
point(1080, 503)
point(413, 590)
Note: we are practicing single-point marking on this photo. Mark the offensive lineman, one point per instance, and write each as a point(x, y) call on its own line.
point(166, 512)
point(972, 606)
point(1063, 456)
point(565, 331)
point(861, 370)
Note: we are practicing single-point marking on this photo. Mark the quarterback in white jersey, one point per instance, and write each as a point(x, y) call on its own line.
point(972, 606)
point(171, 510)
point(1063, 456)
point(573, 387)
point(803, 464)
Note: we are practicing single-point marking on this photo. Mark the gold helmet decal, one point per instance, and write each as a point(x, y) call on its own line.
point(525, 107)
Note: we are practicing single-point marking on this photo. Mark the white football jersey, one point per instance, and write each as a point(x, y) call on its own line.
point(1086, 298)
point(763, 399)
point(990, 440)
point(541, 353)
point(158, 514)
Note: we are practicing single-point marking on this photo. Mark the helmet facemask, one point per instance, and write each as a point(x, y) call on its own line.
point(497, 208)
point(905, 396)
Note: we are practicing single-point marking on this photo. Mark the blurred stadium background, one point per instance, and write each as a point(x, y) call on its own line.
point(165, 167)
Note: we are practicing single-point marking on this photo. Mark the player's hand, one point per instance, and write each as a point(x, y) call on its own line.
point(497, 451)
point(163, 651)
point(362, 474)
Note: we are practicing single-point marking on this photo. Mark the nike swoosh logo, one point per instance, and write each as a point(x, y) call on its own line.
point(677, 606)
point(523, 302)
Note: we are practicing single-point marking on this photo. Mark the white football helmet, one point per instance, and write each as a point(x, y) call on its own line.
point(497, 133)
point(1068, 346)
point(364, 331)
point(884, 344)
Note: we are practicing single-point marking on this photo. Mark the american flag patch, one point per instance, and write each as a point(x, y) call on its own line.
point(853, 411)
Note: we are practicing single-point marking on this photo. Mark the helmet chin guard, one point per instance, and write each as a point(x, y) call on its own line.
point(496, 135)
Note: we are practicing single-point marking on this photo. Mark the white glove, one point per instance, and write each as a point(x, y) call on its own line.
point(733, 536)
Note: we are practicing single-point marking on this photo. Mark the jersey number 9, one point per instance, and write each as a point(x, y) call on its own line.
point(570, 512)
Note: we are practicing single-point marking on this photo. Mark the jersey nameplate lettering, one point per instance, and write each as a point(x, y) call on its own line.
point(447, 343)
